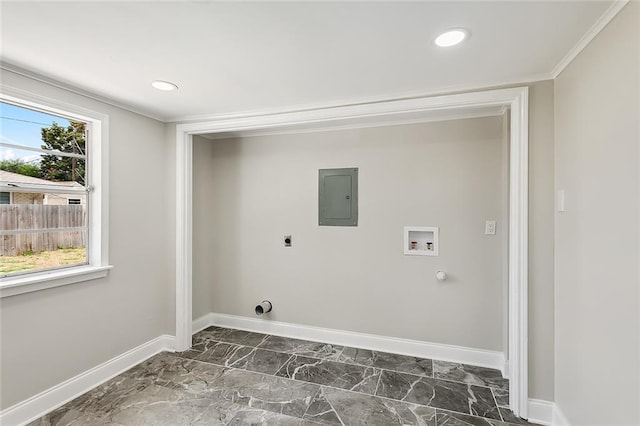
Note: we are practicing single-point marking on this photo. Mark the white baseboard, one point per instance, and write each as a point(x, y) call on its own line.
point(52, 398)
point(201, 323)
point(480, 357)
point(540, 412)
point(506, 369)
point(558, 417)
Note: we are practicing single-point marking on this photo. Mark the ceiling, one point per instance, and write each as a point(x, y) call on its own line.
point(230, 57)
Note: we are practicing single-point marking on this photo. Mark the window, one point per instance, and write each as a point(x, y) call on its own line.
point(52, 170)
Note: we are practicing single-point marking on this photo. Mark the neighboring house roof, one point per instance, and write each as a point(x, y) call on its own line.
point(16, 178)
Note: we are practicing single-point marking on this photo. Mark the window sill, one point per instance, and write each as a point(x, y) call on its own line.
point(40, 281)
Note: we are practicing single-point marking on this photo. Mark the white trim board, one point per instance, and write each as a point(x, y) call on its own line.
point(52, 398)
point(515, 99)
point(201, 323)
point(337, 103)
point(33, 75)
point(546, 413)
point(118, 103)
point(541, 412)
point(595, 29)
point(558, 417)
point(379, 122)
point(479, 357)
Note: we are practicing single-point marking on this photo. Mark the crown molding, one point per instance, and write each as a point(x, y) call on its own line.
point(447, 116)
point(70, 88)
point(595, 29)
point(598, 26)
point(442, 91)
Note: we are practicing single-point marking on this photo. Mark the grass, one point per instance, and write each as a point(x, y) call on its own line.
point(45, 259)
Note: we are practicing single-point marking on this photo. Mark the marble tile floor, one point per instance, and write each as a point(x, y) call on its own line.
point(235, 377)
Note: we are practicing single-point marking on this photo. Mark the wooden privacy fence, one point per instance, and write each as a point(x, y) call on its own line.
point(34, 228)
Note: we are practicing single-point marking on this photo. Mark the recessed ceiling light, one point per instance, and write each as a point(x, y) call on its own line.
point(451, 37)
point(167, 86)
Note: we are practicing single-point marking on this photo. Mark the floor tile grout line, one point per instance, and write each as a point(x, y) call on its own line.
point(433, 361)
point(269, 350)
point(375, 392)
point(303, 381)
point(369, 366)
point(334, 410)
point(473, 415)
point(432, 376)
point(495, 401)
point(223, 368)
point(340, 389)
point(282, 366)
point(312, 399)
point(346, 346)
point(331, 387)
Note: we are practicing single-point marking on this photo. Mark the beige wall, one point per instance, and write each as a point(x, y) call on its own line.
point(446, 174)
point(26, 198)
point(595, 96)
point(597, 283)
point(51, 335)
point(541, 235)
point(150, 283)
point(541, 229)
point(170, 203)
point(63, 199)
point(206, 206)
point(51, 199)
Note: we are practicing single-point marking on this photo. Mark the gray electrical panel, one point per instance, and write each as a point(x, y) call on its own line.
point(338, 197)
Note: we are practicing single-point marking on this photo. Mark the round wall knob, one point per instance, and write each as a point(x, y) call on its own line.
point(441, 275)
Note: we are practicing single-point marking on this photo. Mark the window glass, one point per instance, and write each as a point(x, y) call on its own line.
point(43, 161)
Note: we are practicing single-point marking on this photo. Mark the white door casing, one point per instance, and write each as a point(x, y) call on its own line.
point(434, 108)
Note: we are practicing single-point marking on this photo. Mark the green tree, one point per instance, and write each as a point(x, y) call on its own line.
point(70, 139)
point(21, 167)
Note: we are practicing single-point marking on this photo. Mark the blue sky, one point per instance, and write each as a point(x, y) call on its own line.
point(22, 126)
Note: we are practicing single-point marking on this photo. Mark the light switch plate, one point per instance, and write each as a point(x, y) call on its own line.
point(490, 227)
point(560, 201)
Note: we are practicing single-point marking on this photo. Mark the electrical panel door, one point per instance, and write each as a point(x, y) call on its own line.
point(338, 197)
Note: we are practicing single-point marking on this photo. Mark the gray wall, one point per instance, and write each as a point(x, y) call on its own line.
point(597, 257)
point(51, 335)
point(446, 174)
point(82, 325)
point(541, 229)
point(85, 324)
point(205, 206)
point(541, 235)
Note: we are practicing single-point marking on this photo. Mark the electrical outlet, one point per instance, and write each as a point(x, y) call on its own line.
point(490, 227)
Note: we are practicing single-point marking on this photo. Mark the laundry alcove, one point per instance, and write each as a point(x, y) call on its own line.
point(255, 208)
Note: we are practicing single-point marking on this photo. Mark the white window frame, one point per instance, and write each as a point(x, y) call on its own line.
point(98, 198)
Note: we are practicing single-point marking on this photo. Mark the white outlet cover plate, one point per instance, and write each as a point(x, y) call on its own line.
point(560, 201)
point(490, 227)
